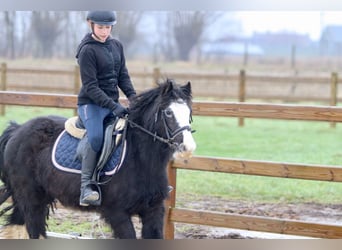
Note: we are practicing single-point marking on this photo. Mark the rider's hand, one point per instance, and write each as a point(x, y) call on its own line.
point(119, 110)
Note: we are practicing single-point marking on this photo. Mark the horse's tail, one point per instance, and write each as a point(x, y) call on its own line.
point(4, 138)
point(5, 191)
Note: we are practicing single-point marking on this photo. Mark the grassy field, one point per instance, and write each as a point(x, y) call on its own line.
point(286, 141)
point(271, 140)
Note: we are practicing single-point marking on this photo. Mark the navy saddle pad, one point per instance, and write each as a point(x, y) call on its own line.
point(64, 155)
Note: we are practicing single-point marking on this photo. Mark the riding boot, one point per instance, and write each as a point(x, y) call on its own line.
point(88, 195)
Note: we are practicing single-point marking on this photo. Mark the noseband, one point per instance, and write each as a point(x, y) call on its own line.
point(170, 135)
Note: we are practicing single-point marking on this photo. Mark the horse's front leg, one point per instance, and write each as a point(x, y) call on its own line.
point(153, 222)
point(121, 224)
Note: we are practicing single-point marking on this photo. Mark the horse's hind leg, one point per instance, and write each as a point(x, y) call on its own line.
point(16, 217)
point(14, 228)
point(35, 221)
point(32, 210)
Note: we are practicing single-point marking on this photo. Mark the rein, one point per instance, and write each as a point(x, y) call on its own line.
point(171, 135)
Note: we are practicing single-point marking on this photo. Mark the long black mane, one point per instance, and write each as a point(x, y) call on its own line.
point(146, 107)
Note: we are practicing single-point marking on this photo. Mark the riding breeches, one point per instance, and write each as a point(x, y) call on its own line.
point(92, 117)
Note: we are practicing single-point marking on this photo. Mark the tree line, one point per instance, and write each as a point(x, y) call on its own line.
point(167, 35)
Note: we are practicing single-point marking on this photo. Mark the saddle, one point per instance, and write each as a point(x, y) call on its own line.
point(115, 132)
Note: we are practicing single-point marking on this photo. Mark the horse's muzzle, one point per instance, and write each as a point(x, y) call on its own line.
point(186, 149)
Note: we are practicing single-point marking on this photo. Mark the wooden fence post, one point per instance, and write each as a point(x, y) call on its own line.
point(333, 93)
point(77, 83)
point(156, 76)
point(3, 84)
point(293, 56)
point(242, 92)
point(169, 227)
point(245, 55)
point(77, 79)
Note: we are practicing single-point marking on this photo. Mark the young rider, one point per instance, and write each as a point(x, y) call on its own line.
point(103, 70)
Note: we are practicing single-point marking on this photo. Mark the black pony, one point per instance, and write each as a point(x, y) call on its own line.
point(159, 126)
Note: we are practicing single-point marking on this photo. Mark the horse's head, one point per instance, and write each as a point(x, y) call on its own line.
point(165, 114)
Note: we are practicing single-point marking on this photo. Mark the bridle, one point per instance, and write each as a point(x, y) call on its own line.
point(170, 135)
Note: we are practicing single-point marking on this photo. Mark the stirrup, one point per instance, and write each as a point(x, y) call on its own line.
point(93, 198)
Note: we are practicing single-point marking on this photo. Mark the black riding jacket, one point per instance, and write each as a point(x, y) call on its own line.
point(103, 70)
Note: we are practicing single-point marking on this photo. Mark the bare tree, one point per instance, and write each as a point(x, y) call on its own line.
point(188, 27)
point(67, 33)
point(166, 43)
point(73, 28)
point(10, 17)
point(46, 26)
point(23, 42)
point(126, 28)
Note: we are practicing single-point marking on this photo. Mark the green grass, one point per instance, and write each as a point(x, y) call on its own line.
point(22, 114)
point(274, 140)
point(270, 140)
point(92, 227)
point(259, 139)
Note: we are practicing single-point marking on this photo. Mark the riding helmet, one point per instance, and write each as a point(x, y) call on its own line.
point(102, 17)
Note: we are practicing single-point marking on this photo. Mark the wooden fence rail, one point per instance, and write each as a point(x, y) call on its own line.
point(255, 223)
point(249, 110)
point(236, 85)
point(262, 168)
point(228, 165)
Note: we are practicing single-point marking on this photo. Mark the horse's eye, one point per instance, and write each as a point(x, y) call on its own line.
point(168, 113)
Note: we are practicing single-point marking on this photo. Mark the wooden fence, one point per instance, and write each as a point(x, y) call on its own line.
point(228, 165)
point(259, 168)
point(239, 86)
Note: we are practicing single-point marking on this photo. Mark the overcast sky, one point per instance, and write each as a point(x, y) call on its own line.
point(305, 22)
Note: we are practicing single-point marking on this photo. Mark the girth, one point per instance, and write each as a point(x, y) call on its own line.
point(115, 132)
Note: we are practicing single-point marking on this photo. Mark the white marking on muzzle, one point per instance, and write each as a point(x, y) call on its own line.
point(181, 112)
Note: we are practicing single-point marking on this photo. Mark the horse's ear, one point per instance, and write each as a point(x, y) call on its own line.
point(187, 89)
point(168, 86)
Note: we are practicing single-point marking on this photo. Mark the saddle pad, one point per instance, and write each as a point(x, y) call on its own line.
point(64, 155)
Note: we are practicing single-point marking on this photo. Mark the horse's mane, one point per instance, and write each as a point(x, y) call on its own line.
point(146, 106)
